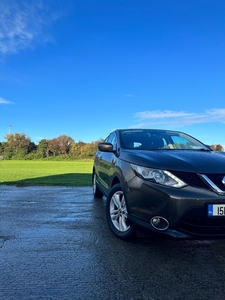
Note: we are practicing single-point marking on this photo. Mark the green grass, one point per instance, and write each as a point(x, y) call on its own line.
point(28, 173)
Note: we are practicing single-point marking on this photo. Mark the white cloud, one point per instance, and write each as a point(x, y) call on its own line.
point(25, 23)
point(4, 101)
point(155, 114)
point(178, 118)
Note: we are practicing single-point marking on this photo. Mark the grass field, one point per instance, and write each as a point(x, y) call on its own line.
point(27, 173)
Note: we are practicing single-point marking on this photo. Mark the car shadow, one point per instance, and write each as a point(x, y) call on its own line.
point(69, 179)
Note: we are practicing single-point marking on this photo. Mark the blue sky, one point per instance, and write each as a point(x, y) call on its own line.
point(85, 68)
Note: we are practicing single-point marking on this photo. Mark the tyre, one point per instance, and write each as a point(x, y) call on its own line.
point(96, 191)
point(116, 214)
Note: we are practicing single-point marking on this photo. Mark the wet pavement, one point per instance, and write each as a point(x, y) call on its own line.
point(55, 244)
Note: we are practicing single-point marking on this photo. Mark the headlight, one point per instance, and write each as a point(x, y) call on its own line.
point(158, 176)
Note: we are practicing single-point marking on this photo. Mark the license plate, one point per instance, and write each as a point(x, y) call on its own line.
point(216, 210)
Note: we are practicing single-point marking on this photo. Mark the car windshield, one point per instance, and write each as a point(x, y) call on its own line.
point(159, 139)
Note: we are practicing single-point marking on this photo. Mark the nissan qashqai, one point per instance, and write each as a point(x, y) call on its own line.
point(160, 181)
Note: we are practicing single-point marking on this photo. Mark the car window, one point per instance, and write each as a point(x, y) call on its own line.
point(156, 139)
point(112, 139)
point(180, 142)
point(185, 142)
point(142, 140)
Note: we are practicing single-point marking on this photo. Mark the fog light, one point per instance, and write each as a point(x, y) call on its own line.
point(155, 221)
point(159, 223)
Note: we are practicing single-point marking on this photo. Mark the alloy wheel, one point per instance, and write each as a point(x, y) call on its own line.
point(118, 211)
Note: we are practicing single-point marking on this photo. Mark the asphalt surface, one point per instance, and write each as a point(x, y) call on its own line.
point(55, 244)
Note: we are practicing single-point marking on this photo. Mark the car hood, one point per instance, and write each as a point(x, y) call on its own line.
point(179, 160)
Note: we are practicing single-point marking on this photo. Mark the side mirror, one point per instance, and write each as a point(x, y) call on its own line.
point(105, 147)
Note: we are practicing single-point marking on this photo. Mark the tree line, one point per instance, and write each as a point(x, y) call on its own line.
point(20, 146)
point(217, 147)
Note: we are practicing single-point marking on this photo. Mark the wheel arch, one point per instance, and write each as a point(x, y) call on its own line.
point(115, 181)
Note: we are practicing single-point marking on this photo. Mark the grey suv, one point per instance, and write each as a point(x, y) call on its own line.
point(160, 181)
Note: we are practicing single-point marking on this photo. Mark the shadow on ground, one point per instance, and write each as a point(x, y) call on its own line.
point(70, 179)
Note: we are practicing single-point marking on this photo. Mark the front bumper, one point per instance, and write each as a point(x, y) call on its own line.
point(185, 210)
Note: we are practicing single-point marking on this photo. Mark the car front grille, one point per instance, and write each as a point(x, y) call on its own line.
point(193, 179)
point(217, 179)
point(198, 223)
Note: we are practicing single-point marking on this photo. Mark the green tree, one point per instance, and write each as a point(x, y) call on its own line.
point(217, 147)
point(17, 145)
point(42, 149)
point(2, 148)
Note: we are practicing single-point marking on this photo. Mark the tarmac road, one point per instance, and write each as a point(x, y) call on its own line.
point(55, 244)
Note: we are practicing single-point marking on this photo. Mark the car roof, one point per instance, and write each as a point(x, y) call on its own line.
point(147, 130)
